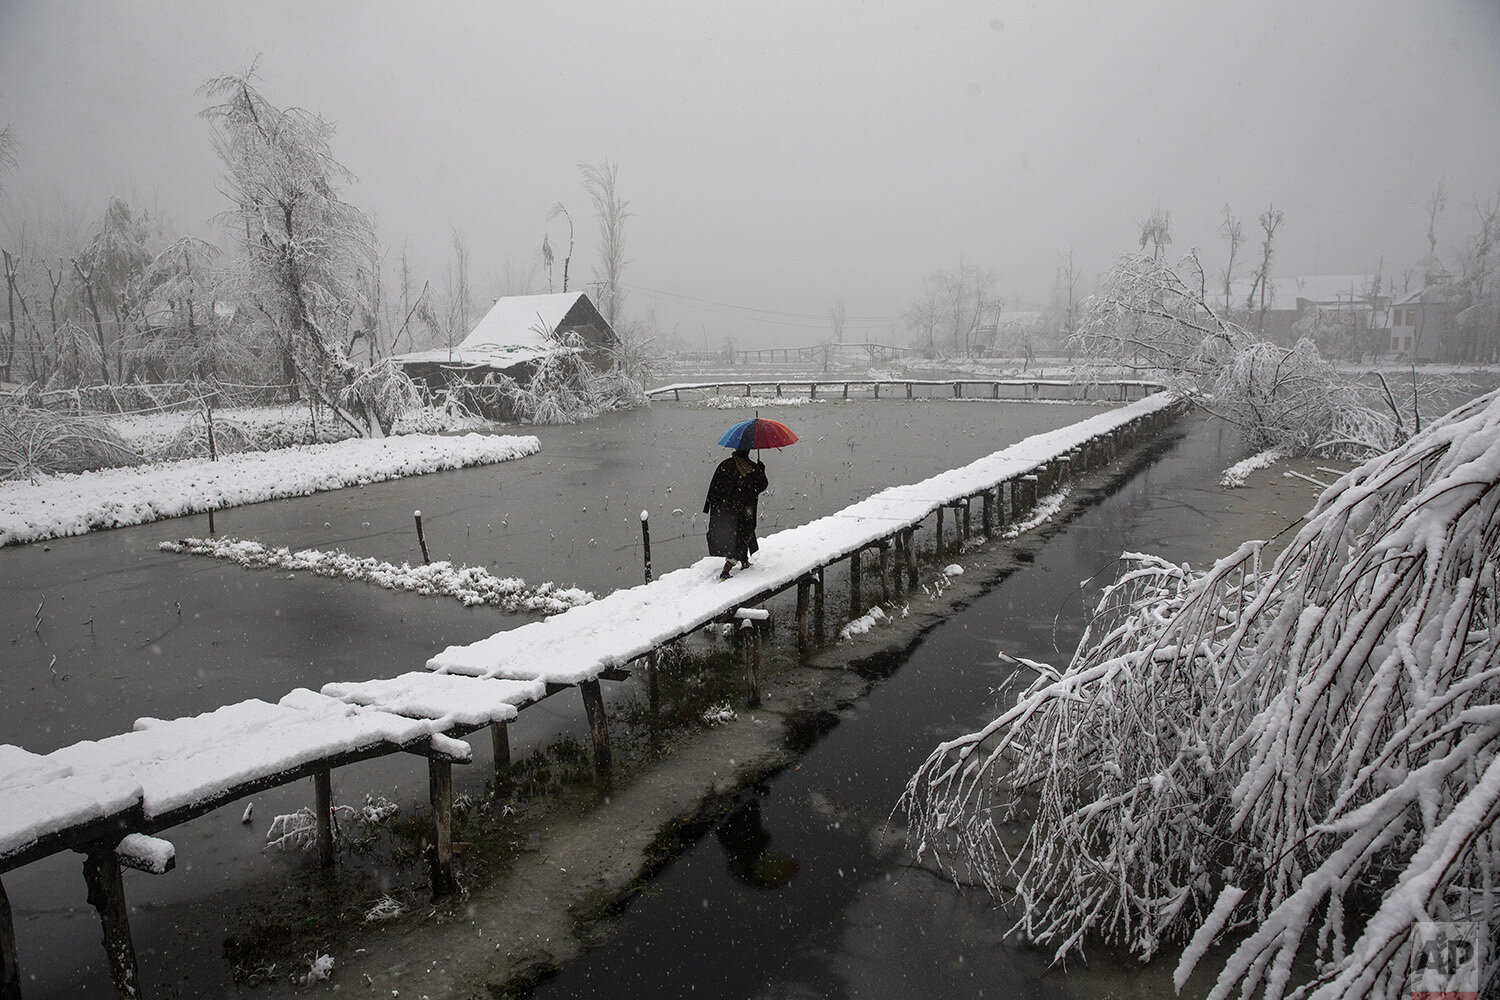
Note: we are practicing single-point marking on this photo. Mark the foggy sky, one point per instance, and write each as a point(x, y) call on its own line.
point(782, 155)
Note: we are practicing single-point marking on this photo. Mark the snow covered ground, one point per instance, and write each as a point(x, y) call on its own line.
point(75, 503)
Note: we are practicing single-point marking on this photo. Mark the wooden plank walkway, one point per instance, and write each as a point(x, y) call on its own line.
point(1120, 390)
point(100, 797)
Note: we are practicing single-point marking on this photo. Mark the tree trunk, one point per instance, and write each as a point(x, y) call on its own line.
point(88, 289)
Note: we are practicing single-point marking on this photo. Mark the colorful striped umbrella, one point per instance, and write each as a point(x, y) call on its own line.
point(758, 432)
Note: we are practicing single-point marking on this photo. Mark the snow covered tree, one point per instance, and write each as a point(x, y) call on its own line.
point(301, 247)
point(110, 273)
point(1157, 318)
point(1299, 759)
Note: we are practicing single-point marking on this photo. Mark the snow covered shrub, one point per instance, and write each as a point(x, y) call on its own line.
point(191, 440)
point(34, 442)
point(558, 391)
point(1303, 755)
point(381, 393)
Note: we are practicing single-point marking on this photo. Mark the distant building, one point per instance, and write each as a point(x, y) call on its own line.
point(512, 339)
point(1289, 300)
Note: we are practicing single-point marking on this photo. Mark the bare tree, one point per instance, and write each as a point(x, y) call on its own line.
point(1156, 232)
point(303, 246)
point(558, 210)
point(1234, 235)
point(599, 182)
point(1433, 204)
point(1067, 284)
point(1270, 220)
point(922, 318)
point(837, 313)
point(458, 292)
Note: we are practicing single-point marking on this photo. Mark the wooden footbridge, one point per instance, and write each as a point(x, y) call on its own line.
point(1120, 390)
point(110, 799)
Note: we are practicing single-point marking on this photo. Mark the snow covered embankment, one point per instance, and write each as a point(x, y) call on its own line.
point(75, 503)
point(470, 584)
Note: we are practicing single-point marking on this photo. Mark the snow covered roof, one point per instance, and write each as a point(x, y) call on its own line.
point(523, 321)
point(517, 328)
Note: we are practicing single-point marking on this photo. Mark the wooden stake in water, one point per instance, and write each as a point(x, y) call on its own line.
point(421, 538)
point(646, 541)
point(213, 456)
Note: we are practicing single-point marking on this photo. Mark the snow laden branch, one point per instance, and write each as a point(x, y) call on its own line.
point(1290, 758)
point(1156, 318)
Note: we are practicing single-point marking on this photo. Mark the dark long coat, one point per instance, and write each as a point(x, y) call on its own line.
point(732, 505)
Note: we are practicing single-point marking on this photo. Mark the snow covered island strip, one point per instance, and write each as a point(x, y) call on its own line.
point(75, 503)
point(472, 585)
point(581, 643)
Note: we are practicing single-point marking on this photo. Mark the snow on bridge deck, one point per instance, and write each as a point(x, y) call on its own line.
point(580, 643)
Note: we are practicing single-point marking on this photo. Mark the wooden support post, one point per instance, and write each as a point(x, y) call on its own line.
point(10, 970)
point(987, 513)
point(752, 661)
point(908, 390)
point(856, 603)
point(846, 390)
point(963, 521)
point(804, 610)
point(1064, 469)
point(593, 707)
point(421, 538)
point(911, 559)
point(323, 813)
point(106, 893)
point(877, 390)
point(440, 859)
point(1015, 500)
point(500, 741)
point(646, 540)
point(937, 545)
point(885, 571)
point(653, 683)
point(958, 389)
point(900, 576)
point(818, 605)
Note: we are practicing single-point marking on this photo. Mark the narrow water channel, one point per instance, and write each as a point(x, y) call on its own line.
point(805, 890)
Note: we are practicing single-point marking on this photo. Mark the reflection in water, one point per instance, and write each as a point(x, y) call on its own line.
point(746, 843)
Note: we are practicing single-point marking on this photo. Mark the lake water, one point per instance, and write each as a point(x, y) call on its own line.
point(104, 628)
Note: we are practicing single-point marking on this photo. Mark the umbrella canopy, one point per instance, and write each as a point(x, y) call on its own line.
point(758, 433)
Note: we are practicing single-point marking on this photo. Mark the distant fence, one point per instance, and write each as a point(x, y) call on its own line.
point(809, 354)
point(962, 388)
point(143, 397)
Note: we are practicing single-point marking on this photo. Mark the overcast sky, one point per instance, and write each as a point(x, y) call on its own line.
point(779, 156)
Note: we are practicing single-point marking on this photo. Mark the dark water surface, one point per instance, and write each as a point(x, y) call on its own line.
point(104, 628)
point(806, 891)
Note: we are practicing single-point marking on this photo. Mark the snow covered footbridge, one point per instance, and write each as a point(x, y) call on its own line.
point(908, 388)
point(109, 799)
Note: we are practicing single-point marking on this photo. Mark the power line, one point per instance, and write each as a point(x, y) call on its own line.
point(818, 319)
